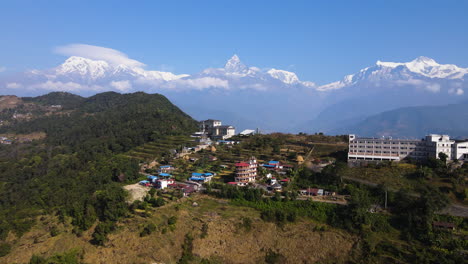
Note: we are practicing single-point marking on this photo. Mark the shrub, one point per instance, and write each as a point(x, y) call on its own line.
point(148, 229)
point(4, 249)
point(172, 220)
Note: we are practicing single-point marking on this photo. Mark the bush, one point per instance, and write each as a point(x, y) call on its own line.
point(148, 229)
point(4, 249)
point(101, 231)
point(172, 220)
point(204, 230)
point(54, 231)
point(272, 257)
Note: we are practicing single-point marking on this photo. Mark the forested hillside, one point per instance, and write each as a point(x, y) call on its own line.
point(74, 170)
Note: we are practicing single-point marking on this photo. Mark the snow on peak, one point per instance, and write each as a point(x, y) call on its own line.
point(425, 60)
point(421, 67)
point(284, 76)
point(83, 66)
point(234, 65)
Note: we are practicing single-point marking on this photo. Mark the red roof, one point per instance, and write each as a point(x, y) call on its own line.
point(242, 164)
point(285, 180)
point(233, 183)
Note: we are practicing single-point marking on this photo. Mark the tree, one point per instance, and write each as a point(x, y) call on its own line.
point(443, 157)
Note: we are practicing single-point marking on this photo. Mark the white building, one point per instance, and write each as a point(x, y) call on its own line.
point(397, 149)
point(215, 130)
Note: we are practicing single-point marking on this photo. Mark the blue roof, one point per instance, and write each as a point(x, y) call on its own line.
point(144, 182)
point(164, 175)
point(273, 162)
point(268, 165)
point(196, 178)
point(166, 166)
point(198, 174)
point(152, 177)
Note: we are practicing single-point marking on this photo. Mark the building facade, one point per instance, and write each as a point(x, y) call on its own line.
point(246, 171)
point(381, 149)
point(215, 130)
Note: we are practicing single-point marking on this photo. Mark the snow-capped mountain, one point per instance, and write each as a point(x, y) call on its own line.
point(78, 69)
point(421, 68)
point(250, 97)
point(82, 75)
point(387, 86)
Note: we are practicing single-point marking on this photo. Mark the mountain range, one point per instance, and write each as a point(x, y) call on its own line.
point(270, 99)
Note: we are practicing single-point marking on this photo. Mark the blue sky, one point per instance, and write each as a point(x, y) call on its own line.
point(319, 40)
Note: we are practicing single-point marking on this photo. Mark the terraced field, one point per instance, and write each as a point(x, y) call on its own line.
point(157, 149)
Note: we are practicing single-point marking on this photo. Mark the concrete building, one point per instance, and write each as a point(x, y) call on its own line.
point(246, 171)
point(380, 149)
point(215, 130)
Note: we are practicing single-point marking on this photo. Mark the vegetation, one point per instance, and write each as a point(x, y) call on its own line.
point(77, 169)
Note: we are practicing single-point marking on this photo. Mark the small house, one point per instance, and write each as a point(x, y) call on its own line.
point(152, 178)
point(166, 169)
point(163, 183)
point(201, 177)
point(312, 192)
point(144, 183)
point(443, 225)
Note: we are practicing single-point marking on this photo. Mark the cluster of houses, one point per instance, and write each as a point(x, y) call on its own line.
point(165, 180)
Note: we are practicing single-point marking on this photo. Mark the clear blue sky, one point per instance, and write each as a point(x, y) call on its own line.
point(320, 41)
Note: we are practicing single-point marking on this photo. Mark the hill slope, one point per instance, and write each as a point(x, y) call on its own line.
point(415, 122)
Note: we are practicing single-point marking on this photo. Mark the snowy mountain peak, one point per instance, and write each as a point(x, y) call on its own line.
point(234, 65)
point(284, 76)
point(396, 73)
point(83, 66)
point(425, 60)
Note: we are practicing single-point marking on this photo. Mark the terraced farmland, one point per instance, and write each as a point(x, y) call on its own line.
point(157, 149)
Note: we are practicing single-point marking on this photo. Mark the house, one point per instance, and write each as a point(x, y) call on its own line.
point(215, 130)
point(287, 180)
point(166, 169)
point(144, 183)
point(269, 176)
point(165, 175)
point(273, 165)
point(443, 225)
point(248, 132)
point(152, 178)
point(5, 140)
point(312, 192)
point(163, 183)
point(277, 187)
point(227, 142)
point(201, 177)
point(273, 181)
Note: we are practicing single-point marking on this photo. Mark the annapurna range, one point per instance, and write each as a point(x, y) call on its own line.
point(250, 97)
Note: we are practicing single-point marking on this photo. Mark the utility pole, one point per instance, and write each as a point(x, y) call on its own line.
point(385, 198)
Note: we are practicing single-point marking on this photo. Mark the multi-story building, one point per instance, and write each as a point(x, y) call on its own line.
point(215, 130)
point(246, 171)
point(397, 149)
